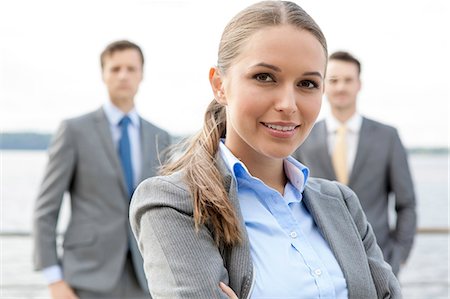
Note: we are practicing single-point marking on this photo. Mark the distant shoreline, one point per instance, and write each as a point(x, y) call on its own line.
point(31, 141)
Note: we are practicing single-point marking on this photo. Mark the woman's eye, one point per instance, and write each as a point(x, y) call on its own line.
point(264, 77)
point(308, 84)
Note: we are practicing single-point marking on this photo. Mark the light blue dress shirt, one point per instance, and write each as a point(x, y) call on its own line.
point(290, 256)
point(113, 115)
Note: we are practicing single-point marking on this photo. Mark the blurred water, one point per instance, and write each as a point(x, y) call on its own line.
point(22, 171)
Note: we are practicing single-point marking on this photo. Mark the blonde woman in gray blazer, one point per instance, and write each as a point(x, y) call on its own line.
point(194, 225)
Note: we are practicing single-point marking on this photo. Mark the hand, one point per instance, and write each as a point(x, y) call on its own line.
point(227, 290)
point(61, 290)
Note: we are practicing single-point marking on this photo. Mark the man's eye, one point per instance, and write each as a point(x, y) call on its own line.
point(264, 77)
point(308, 84)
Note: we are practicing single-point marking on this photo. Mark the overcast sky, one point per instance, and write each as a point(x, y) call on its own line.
point(49, 59)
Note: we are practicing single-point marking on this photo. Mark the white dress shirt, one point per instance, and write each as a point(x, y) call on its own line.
point(353, 128)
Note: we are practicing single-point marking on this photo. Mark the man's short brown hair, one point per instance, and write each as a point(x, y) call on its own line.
point(347, 57)
point(120, 45)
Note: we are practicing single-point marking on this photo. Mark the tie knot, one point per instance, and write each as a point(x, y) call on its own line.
point(342, 129)
point(125, 121)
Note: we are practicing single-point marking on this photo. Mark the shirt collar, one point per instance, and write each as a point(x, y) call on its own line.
point(353, 123)
point(114, 115)
point(296, 172)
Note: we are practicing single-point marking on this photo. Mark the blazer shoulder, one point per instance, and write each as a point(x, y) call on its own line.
point(83, 120)
point(329, 188)
point(379, 126)
point(153, 127)
point(168, 190)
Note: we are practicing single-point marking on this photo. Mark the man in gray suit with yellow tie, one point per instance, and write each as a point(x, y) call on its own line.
point(365, 155)
point(99, 158)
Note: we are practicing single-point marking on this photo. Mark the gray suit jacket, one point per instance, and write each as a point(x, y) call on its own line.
point(380, 169)
point(84, 162)
point(182, 263)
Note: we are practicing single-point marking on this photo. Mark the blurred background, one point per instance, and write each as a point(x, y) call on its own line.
point(50, 70)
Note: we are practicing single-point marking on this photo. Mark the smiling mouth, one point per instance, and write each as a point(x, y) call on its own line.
point(281, 128)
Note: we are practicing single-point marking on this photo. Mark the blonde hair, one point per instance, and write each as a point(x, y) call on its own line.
point(198, 160)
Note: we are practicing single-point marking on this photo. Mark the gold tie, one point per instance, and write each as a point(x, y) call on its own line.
point(340, 155)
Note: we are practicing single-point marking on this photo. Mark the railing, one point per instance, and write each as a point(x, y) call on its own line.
point(420, 231)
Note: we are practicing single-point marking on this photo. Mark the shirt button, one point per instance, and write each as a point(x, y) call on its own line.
point(293, 235)
point(318, 272)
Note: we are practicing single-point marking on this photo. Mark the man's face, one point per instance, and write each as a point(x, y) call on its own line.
point(342, 84)
point(122, 74)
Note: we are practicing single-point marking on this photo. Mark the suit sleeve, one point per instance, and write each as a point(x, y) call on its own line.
point(401, 185)
point(179, 262)
point(57, 177)
point(386, 283)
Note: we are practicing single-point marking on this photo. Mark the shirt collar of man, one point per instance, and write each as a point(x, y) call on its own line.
point(295, 171)
point(353, 123)
point(114, 115)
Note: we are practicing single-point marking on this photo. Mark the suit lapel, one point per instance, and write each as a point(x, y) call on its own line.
point(102, 128)
point(362, 150)
point(335, 224)
point(242, 281)
point(148, 150)
point(323, 149)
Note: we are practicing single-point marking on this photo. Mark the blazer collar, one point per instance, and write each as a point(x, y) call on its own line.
point(240, 282)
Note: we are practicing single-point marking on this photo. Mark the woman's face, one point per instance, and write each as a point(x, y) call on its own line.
point(272, 92)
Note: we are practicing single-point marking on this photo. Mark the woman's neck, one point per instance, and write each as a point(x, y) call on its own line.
point(271, 172)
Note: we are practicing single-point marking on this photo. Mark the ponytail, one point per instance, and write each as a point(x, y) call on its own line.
point(210, 199)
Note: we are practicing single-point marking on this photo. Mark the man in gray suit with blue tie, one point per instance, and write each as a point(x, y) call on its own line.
point(98, 158)
point(365, 155)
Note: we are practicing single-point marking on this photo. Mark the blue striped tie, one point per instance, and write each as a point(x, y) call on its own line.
point(125, 154)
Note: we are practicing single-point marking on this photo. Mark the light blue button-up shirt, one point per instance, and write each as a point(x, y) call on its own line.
point(290, 256)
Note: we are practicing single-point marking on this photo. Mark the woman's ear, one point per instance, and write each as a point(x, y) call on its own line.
point(215, 79)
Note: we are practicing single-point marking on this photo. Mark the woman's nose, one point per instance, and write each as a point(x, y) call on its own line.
point(286, 101)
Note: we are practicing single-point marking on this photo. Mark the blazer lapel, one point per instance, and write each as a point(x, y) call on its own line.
point(331, 216)
point(323, 149)
point(102, 127)
point(238, 255)
point(147, 150)
point(362, 151)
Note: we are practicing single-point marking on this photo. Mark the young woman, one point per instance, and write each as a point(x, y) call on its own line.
point(235, 214)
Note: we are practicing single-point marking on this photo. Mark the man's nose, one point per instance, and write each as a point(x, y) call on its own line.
point(123, 74)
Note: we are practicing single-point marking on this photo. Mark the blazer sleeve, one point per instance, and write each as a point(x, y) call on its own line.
point(401, 185)
point(57, 177)
point(386, 284)
point(179, 262)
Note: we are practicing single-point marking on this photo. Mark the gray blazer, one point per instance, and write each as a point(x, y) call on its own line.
point(84, 162)
point(182, 263)
point(380, 169)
